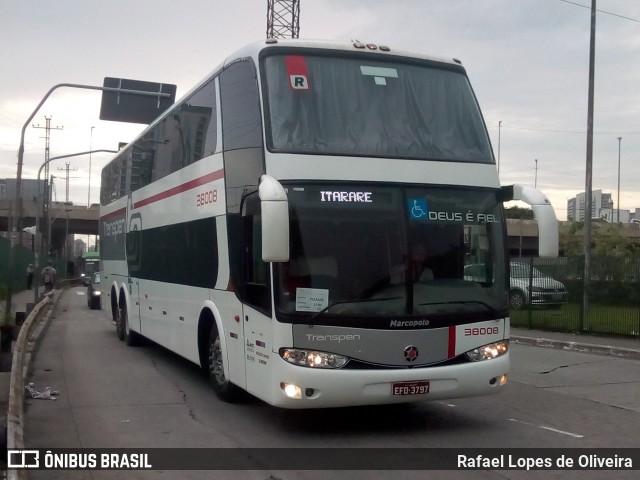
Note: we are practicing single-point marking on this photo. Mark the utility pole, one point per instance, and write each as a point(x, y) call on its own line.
point(47, 141)
point(283, 18)
point(619, 147)
point(589, 169)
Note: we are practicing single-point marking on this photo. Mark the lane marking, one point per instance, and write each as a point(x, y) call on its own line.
point(555, 430)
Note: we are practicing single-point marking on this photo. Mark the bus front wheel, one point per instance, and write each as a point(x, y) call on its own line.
point(225, 390)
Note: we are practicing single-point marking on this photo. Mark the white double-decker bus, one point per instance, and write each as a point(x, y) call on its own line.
point(321, 225)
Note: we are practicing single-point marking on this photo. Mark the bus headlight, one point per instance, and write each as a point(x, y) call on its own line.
point(487, 352)
point(313, 359)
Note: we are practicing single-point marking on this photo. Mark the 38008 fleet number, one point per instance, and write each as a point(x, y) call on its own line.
point(205, 198)
point(481, 331)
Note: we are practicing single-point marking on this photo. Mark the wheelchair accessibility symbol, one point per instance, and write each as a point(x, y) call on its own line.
point(418, 209)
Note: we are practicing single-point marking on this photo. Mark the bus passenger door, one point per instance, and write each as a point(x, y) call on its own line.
point(256, 297)
point(134, 262)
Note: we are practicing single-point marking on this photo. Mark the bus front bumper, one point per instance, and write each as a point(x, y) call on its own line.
point(301, 387)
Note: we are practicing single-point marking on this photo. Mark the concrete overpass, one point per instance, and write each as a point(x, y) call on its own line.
point(82, 220)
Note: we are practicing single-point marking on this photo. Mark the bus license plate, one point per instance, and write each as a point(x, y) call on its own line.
point(410, 388)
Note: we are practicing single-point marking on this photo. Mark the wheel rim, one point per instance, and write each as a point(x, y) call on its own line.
point(216, 365)
point(517, 300)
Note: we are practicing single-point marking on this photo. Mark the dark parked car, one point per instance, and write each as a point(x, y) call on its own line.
point(94, 294)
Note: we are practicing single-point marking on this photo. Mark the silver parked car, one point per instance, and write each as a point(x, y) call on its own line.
point(545, 291)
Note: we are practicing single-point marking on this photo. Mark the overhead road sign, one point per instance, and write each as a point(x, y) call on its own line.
point(122, 100)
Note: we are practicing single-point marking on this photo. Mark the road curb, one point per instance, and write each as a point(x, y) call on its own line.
point(578, 347)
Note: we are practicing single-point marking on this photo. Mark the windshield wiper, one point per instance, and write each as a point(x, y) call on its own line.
point(354, 300)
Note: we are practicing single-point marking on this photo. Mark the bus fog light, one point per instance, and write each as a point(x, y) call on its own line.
point(291, 391)
point(488, 352)
point(313, 359)
point(503, 379)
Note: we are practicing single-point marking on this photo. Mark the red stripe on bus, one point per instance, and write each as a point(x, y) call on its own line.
point(452, 341)
point(115, 213)
point(180, 188)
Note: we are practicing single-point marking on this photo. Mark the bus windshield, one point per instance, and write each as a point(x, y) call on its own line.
point(380, 252)
point(336, 105)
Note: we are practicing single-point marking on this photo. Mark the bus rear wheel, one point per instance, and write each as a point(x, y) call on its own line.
point(130, 337)
point(225, 390)
point(121, 322)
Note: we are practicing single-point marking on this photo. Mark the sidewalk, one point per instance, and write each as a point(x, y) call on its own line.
point(627, 347)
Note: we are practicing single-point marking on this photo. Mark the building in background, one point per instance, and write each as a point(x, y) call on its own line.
point(29, 188)
point(602, 208)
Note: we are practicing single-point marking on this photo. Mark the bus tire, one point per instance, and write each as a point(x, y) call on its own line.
point(130, 337)
point(225, 390)
point(121, 322)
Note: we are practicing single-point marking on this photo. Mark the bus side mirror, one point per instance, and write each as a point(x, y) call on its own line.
point(275, 220)
point(548, 236)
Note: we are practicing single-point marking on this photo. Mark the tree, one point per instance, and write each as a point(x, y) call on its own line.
point(607, 239)
point(519, 213)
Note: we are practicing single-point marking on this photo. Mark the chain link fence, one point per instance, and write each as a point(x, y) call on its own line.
point(548, 294)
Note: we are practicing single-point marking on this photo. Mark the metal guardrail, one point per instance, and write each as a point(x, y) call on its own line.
point(19, 371)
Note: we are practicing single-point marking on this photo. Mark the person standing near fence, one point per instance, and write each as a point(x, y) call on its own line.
point(49, 277)
point(29, 276)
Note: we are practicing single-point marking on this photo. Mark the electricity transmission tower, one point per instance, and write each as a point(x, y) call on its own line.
point(283, 18)
point(67, 180)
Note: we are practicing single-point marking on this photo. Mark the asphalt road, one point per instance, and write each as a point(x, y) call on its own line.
point(113, 396)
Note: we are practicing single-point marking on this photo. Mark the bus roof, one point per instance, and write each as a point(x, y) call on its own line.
point(354, 46)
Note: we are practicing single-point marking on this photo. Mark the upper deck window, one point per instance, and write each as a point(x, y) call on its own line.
point(336, 105)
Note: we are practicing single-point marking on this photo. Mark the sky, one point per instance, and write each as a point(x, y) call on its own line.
point(528, 62)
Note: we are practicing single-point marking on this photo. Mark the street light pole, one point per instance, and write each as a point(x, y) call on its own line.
point(619, 146)
point(14, 220)
point(499, 132)
point(90, 146)
point(535, 181)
